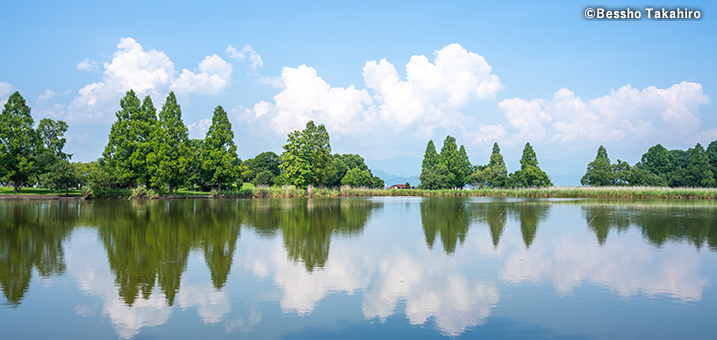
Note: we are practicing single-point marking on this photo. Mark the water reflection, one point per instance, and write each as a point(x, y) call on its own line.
point(470, 256)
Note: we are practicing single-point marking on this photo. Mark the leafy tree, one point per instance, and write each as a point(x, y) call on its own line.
point(306, 159)
point(699, 173)
point(19, 142)
point(679, 159)
point(170, 157)
point(219, 158)
point(641, 177)
point(711, 153)
point(656, 160)
point(620, 173)
point(52, 132)
point(357, 177)
point(529, 175)
point(599, 172)
point(122, 147)
point(194, 177)
point(144, 126)
point(496, 174)
point(263, 169)
point(430, 157)
point(438, 178)
point(60, 175)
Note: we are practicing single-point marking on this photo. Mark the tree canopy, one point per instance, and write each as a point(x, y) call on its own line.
point(19, 142)
point(219, 158)
point(306, 159)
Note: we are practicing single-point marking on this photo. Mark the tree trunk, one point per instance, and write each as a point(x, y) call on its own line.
point(171, 189)
point(16, 187)
point(220, 185)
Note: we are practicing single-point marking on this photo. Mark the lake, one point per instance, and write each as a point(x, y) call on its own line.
point(385, 267)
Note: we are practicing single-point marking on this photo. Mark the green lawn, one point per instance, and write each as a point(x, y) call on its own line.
point(36, 191)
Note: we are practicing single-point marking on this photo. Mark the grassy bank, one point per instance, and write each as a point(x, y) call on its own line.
point(250, 191)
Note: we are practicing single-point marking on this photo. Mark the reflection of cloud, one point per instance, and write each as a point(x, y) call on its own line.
point(94, 277)
point(625, 265)
point(212, 305)
point(253, 320)
point(430, 289)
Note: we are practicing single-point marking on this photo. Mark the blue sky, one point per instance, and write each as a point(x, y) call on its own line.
point(384, 77)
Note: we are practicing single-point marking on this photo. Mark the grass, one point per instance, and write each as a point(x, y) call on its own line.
point(36, 191)
point(250, 191)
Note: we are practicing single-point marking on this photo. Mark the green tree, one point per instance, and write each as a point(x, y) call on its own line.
point(430, 157)
point(306, 159)
point(19, 142)
point(122, 146)
point(699, 173)
point(496, 174)
point(620, 173)
point(530, 174)
point(438, 178)
point(60, 175)
point(52, 134)
point(599, 172)
point(170, 157)
point(656, 160)
point(711, 153)
point(263, 169)
point(357, 177)
point(219, 158)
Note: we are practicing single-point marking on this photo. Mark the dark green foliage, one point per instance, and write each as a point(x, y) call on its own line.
point(530, 174)
point(52, 132)
point(170, 158)
point(620, 173)
point(306, 159)
point(679, 159)
point(656, 160)
point(438, 178)
point(599, 172)
point(19, 142)
point(453, 159)
point(219, 159)
point(262, 169)
point(60, 175)
point(642, 177)
point(124, 155)
point(711, 153)
point(699, 173)
point(496, 174)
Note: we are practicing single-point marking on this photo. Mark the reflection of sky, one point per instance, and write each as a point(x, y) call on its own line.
point(389, 267)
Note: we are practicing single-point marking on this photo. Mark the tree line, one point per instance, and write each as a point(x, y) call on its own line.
point(451, 168)
point(152, 150)
point(694, 167)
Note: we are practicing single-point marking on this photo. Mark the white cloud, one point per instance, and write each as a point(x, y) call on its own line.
point(432, 95)
point(6, 90)
point(199, 130)
point(214, 76)
point(246, 54)
point(87, 65)
point(625, 113)
point(147, 73)
point(46, 95)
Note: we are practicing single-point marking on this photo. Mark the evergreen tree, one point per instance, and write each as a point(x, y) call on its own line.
point(530, 174)
point(451, 158)
point(306, 159)
point(699, 173)
point(219, 159)
point(122, 146)
point(711, 153)
point(19, 142)
point(144, 126)
point(599, 172)
point(52, 132)
point(496, 174)
point(430, 157)
point(170, 158)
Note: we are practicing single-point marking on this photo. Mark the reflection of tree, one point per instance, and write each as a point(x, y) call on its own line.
point(530, 214)
point(657, 223)
point(447, 218)
point(149, 242)
point(307, 225)
point(496, 217)
point(31, 236)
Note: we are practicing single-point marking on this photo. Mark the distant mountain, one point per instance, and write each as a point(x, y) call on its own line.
point(390, 180)
point(395, 166)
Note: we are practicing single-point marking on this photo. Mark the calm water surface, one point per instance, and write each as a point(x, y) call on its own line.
point(387, 267)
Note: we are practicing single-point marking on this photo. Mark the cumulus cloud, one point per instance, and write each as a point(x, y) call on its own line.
point(621, 114)
point(433, 94)
point(87, 65)
point(147, 73)
point(46, 95)
point(246, 54)
point(214, 76)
